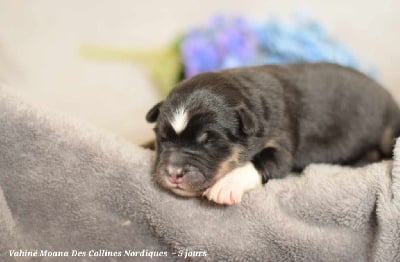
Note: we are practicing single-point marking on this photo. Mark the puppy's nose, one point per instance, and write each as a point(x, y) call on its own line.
point(175, 174)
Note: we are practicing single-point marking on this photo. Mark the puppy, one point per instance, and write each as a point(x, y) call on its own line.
point(222, 134)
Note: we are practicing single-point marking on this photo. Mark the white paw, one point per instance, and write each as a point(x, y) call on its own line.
point(230, 188)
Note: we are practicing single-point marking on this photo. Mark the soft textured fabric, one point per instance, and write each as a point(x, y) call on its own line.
point(65, 186)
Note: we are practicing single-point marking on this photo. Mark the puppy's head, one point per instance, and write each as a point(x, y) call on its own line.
point(200, 132)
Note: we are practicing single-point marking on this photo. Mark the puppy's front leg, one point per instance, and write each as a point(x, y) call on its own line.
point(230, 188)
point(273, 162)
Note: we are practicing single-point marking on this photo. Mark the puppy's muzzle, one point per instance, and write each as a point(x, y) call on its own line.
point(175, 173)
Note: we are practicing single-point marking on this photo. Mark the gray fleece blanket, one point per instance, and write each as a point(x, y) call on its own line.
point(69, 189)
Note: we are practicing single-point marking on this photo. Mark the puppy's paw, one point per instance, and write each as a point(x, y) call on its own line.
point(229, 189)
point(225, 192)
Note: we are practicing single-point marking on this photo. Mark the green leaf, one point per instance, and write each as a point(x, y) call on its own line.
point(163, 65)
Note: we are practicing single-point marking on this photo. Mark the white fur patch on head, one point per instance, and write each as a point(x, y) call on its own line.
point(179, 119)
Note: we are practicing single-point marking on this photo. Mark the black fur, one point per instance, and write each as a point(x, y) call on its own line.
point(279, 117)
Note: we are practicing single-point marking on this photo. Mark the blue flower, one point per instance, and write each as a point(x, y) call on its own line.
point(233, 42)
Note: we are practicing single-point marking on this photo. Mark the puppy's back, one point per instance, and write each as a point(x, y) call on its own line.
point(343, 114)
point(339, 113)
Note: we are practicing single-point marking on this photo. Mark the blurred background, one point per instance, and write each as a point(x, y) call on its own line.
point(40, 41)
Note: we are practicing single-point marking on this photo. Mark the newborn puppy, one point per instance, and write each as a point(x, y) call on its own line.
point(222, 134)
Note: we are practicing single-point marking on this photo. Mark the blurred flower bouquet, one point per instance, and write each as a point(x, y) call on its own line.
point(227, 42)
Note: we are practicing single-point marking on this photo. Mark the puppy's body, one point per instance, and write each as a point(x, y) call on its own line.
point(278, 118)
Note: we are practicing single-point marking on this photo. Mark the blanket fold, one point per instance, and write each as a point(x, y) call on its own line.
point(67, 187)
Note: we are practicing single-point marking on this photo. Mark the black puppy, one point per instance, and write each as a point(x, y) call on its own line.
point(221, 134)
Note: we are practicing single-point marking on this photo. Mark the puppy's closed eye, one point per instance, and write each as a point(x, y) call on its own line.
point(206, 137)
point(165, 133)
point(160, 135)
point(202, 138)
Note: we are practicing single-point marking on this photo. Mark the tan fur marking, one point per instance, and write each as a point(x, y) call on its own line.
point(387, 140)
point(228, 164)
point(372, 156)
point(271, 143)
point(233, 161)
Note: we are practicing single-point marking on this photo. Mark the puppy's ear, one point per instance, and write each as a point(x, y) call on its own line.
point(153, 113)
point(247, 120)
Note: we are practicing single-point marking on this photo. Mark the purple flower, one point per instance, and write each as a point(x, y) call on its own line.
point(233, 42)
point(224, 44)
